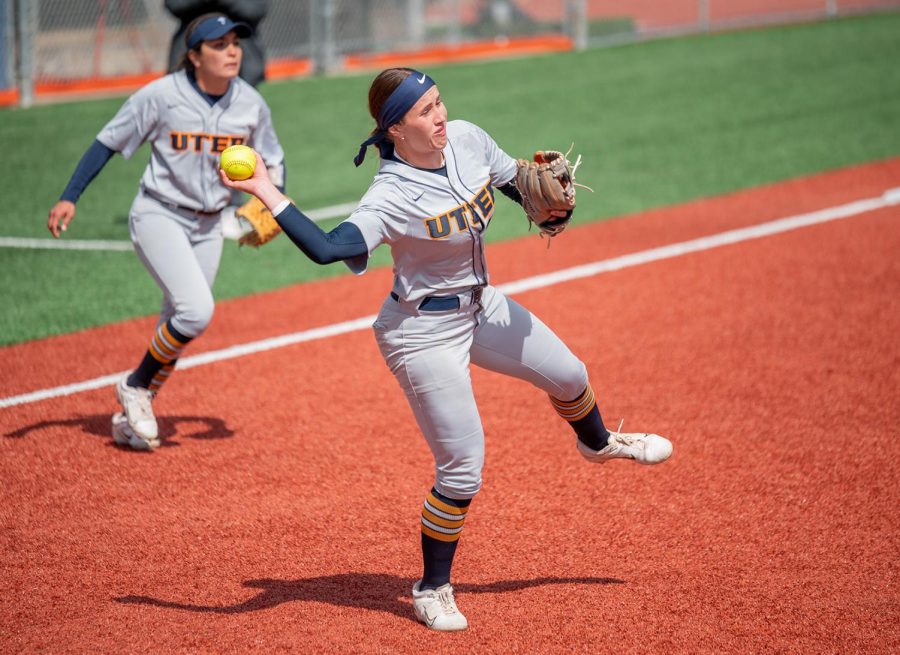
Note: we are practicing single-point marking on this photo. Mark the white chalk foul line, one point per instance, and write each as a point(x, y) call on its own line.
point(317, 215)
point(68, 244)
point(888, 198)
point(275, 342)
point(703, 243)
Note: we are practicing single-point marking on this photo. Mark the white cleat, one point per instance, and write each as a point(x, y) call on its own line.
point(437, 609)
point(643, 448)
point(124, 436)
point(136, 401)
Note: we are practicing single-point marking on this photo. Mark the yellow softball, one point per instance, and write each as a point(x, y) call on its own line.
point(238, 162)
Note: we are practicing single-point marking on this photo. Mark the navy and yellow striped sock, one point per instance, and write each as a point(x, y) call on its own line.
point(160, 358)
point(584, 417)
point(162, 375)
point(442, 523)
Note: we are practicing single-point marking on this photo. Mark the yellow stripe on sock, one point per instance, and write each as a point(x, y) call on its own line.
point(163, 349)
point(440, 536)
point(160, 355)
point(177, 344)
point(161, 376)
point(441, 521)
point(572, 403)
point(444, 507)
point(574, 410)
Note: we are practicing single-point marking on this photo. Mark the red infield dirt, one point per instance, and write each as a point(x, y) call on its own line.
point(281, 513)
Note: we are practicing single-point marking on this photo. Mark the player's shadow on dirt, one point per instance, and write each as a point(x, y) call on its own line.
point(98, 425)
point(372, 591)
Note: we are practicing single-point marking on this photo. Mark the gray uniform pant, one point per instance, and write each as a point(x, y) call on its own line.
point(429, 354)
point(181, 250)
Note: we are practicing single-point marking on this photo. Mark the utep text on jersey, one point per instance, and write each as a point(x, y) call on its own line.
point(195, 140)
point(439, 227)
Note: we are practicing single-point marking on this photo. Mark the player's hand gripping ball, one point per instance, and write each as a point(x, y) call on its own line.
point(238, 162)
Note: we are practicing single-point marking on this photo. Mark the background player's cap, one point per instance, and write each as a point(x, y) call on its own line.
point(216, 27)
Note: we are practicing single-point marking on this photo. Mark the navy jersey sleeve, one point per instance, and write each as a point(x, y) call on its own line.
point(90, 165)
point(343, 242)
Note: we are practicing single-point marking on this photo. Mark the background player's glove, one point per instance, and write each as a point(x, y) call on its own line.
point(263, 224)
point(547, 184)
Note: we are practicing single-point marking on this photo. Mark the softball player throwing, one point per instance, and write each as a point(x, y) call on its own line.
point(431, 201)
point(189, 117)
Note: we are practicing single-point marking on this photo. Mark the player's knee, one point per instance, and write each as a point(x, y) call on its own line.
point(458, 488)
point(573, 383)
point(461, 480)
point(195, 318)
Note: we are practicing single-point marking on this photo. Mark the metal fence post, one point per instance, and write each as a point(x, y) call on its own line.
point(703, 16)
point(7, 51)
point(576, 20)
point(330, 37)
point(454, 33)
point(415, 23)
point(315, 35)
point(26, 26)
point(324, 50)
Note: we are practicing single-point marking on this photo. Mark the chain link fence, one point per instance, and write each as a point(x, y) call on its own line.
point(64, 45)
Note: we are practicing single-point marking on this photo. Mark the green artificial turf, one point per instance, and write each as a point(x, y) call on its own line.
point(657, 123)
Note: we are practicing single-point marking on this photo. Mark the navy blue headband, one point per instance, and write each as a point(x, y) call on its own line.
point(394, 109)
point(215, 27)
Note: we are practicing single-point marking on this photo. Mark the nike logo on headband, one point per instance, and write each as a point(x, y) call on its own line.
point(422, 79)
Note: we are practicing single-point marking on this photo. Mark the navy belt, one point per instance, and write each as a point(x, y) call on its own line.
point(434, 303)
point(172, 205)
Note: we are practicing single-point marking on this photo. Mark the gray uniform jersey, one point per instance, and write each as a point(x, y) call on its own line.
point(187, 137)
point(434, 223)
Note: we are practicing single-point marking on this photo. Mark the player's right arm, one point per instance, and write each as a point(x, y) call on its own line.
point(93, 161)
point(124, 133)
